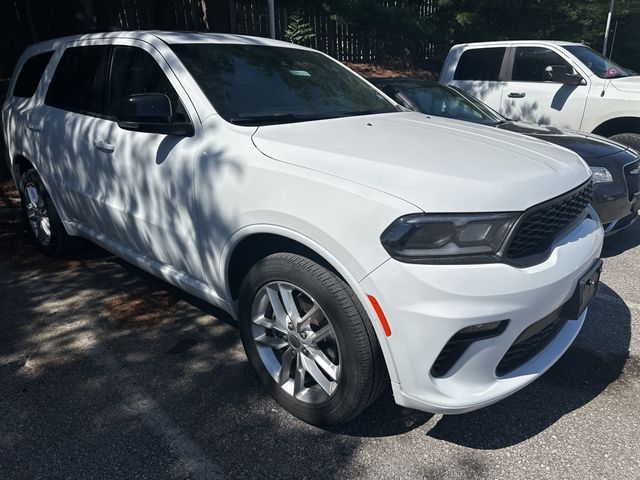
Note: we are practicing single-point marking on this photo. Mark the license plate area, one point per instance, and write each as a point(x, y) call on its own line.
point(584, 292)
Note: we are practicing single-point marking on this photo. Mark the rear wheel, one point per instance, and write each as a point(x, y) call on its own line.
point(43, 220)
point(629, 139)
point(309, 340)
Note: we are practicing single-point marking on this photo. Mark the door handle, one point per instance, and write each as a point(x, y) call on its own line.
point(33, 127)
point(517, 95)
point(105, 146)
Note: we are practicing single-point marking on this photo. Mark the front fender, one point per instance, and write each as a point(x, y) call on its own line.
point(339, 265)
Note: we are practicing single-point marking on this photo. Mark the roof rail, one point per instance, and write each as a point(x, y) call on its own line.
point(81, 31)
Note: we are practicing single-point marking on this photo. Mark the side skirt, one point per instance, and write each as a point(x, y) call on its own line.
point(163, 271)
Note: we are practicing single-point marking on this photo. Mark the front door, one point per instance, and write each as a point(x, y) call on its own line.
point(528, 98)
point(149, 195)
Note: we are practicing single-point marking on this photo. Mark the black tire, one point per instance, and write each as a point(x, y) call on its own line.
point(363, 372)
point(60, 242)
point(629, 139)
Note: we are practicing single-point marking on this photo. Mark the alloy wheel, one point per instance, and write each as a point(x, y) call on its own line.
point(296, 342)
point(37, 214)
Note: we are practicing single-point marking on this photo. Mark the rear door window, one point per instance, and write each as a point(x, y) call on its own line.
point(78, 84)
point(480, 64)
point(134, 71)
point(529, 63)
point(30, 75)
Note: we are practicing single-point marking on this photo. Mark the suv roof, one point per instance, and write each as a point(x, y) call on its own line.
point(166, 36)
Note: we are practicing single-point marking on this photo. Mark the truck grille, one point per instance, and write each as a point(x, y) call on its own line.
point(632, 176)
point(541, 224)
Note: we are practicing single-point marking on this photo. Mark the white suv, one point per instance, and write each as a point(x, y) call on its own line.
point(354, 242)
point(566, 85)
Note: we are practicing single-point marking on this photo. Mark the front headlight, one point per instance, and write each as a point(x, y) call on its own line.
point(601, 175)
point(451, 238)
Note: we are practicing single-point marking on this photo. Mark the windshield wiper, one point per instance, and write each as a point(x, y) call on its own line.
point(276, 118)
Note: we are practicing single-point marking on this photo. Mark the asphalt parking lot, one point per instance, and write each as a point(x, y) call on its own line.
point(106, 372)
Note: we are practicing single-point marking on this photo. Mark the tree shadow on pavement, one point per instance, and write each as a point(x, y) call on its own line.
point(107, 369)
point(595, 360)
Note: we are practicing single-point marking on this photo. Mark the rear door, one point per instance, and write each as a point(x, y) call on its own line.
point(20, 111)
point(480, 72)
point(74, 110)
point(529, 98)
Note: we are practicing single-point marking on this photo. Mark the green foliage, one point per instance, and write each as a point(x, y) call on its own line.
point(298, 31)
point(400, 29)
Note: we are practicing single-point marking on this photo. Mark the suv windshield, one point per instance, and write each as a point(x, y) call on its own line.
point(262, 85)
point(444, 101)
point(597, 63)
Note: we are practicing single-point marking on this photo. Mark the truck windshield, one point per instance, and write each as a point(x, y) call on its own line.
point(264, 85)
point(597, 63)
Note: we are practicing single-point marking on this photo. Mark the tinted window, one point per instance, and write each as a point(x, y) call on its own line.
point(480, 64)
point(256, 85)
point(529, 63)
point(134, 71)
point(442, 101)
point(30, 75)
point(78, 83)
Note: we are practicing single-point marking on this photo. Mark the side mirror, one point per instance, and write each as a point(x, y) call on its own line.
point(151, 113)
point(560, 74)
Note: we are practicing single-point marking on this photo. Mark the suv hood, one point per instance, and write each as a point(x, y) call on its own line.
point(589, 147)
point(627, 84)
point(438, 165)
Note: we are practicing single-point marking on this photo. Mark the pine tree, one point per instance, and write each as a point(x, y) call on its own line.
point(298, 31)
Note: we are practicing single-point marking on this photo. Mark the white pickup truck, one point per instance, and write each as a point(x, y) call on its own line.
point(563, 84)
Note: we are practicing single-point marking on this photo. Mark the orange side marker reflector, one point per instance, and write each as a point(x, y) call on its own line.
point(381, 315)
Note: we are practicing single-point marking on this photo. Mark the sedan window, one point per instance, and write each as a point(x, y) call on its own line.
point(445, 101)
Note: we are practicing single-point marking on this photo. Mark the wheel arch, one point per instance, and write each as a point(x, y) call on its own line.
point(250, 245)
point(20, 164)
point(254, 247)
point(618, 125)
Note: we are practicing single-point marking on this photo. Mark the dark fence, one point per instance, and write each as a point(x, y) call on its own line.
point(27, 21)
point(342, 40)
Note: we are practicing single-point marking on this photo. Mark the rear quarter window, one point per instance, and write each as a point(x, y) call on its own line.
point(30, 75)
point(480, 64)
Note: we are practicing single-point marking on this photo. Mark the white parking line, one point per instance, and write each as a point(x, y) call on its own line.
point(192, 459)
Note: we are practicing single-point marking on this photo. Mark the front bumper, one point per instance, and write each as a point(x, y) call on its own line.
point(611, 201)
point(426, 305)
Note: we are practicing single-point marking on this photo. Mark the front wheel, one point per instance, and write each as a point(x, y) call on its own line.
point(309, 340)
point(629, 139)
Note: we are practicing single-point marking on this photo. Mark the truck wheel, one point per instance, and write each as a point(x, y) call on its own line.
point(309, 340)
point(629, 139)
